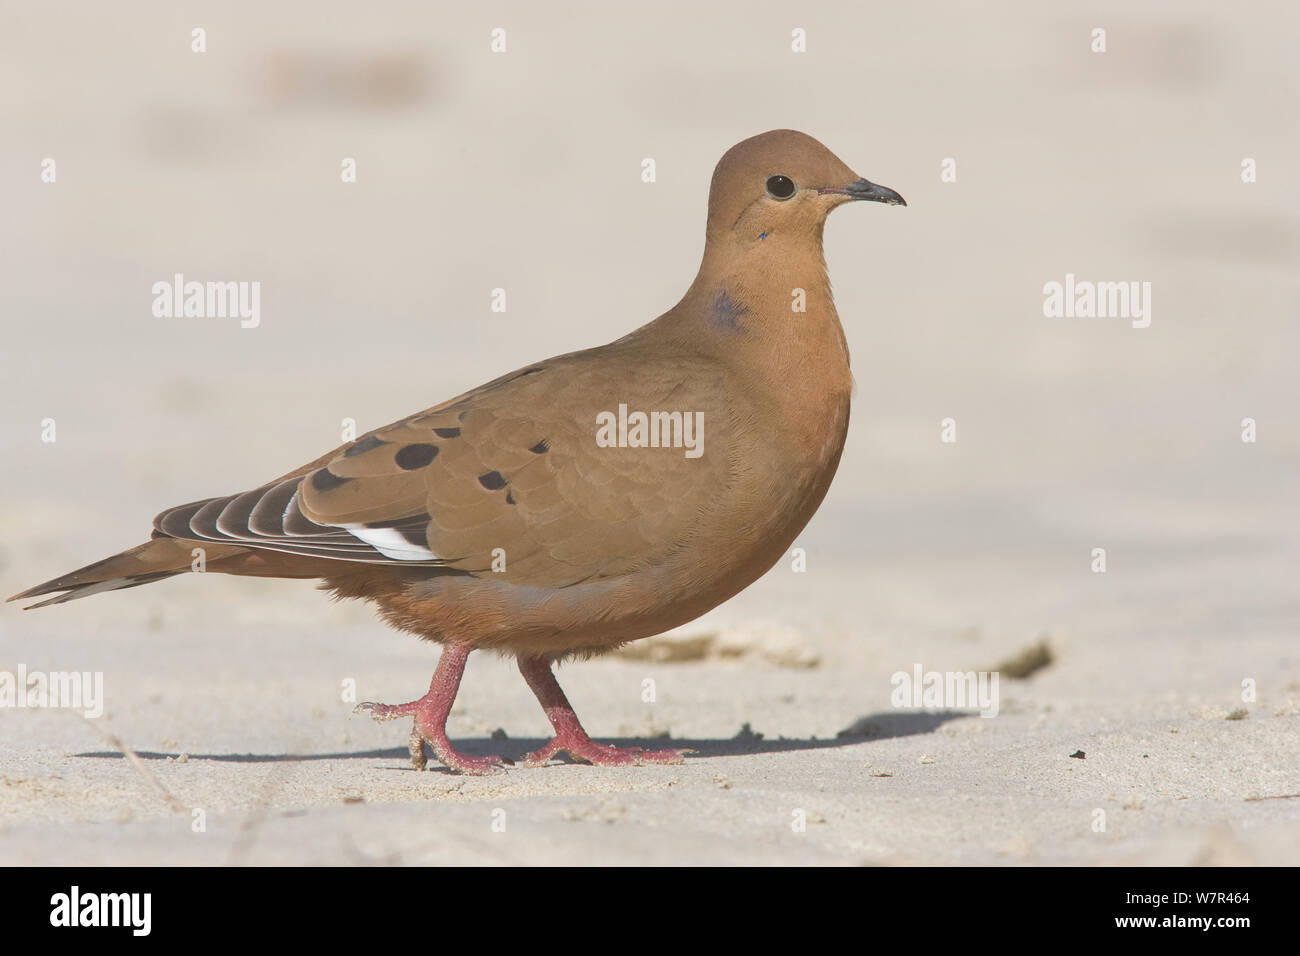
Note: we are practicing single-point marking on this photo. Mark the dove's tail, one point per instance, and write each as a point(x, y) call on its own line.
point(165, 557)
point(151, 561)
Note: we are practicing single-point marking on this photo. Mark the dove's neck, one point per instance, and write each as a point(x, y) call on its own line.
point(764, 311)
point(766, 303)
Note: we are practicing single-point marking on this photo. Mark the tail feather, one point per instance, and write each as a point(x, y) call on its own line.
point(165, 557)
point(152, 561)
point(99, 587)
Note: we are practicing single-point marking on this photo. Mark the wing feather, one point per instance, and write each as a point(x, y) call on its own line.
point(509, 470)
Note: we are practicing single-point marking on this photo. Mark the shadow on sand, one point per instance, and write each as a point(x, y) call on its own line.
point(880, 726)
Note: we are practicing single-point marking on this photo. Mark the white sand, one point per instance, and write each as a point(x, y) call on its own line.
point(489, 171)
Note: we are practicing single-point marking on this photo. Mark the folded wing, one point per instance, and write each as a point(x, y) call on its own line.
point(506, 480)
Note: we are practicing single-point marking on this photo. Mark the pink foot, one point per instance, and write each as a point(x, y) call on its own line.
point(570, 738)
point(601, 755)
point(430, 713)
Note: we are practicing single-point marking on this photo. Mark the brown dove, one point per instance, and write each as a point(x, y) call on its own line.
point(585, 501)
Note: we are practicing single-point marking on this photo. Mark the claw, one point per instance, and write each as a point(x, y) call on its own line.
point(383, 712)
point(587, 750)
point(430, 713)
point(570, 738)
point(415, 744)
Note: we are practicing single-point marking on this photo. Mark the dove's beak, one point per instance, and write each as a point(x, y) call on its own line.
point(862, 189)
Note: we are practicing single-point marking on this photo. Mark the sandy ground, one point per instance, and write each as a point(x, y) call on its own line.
point(230, 693)
point(522, 171)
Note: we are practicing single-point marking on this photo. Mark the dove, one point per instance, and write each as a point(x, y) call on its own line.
point(585, 501)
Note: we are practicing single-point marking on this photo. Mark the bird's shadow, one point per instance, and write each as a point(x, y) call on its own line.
point(885, 725)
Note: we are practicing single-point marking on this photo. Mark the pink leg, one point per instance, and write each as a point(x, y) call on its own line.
point(569, 735)
point(430, 713)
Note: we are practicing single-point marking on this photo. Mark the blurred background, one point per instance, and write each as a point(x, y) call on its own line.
point(521, 170)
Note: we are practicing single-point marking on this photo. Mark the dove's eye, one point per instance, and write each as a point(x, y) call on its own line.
point(780, 187)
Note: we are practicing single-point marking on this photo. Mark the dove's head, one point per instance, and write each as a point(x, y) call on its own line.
point(782, 184)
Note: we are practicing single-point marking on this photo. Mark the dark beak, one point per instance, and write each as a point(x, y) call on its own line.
point(861, 189)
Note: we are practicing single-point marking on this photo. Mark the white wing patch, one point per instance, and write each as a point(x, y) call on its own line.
point(390, 543)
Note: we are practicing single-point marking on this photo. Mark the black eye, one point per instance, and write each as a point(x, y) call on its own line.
point(780, 187)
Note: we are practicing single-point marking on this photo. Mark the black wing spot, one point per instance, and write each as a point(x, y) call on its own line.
point(369, 443)
point(325, 480)
point(417, 536)
point(492, 481)
point(447, 432)
point(510, 497)
point(541, 448)
point(415, 456)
